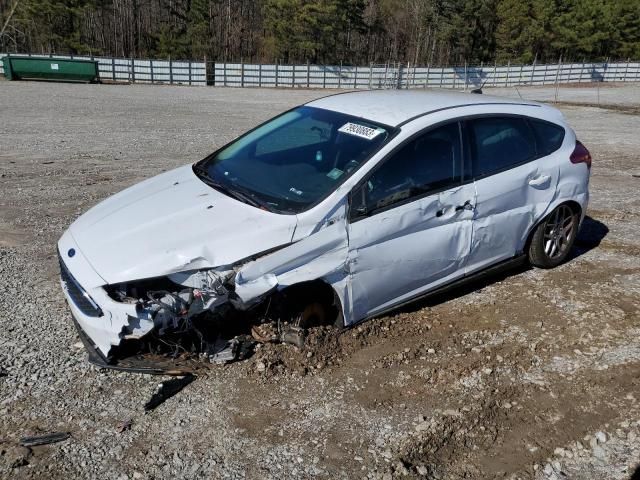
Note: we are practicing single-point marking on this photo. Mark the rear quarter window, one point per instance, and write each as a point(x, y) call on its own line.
point(549, 137)
point(500, 143)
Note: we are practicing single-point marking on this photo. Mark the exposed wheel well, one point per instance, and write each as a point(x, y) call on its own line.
point(575, 206)
point(304, 293)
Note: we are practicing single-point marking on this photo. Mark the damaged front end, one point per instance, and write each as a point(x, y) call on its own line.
point(187, 316)
point(180, 322)
point(166, 301)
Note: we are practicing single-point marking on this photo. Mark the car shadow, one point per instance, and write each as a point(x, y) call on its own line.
point(636, 474)
point(591, 233)
point(589, 237)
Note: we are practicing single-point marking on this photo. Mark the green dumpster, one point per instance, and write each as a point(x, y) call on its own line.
point(20, 67)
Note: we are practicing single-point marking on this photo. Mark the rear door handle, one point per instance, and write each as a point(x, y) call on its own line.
point(541, 181)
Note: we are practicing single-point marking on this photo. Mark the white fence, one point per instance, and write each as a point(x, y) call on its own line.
point(354, 77)
point(407, 76)
point(142, 71)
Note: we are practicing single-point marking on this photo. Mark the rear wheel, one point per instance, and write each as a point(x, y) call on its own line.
point(553, 238)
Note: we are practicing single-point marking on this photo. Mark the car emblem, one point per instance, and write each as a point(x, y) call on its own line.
point(71, 252)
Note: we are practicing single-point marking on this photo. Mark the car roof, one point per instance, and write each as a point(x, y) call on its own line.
point(395, 107)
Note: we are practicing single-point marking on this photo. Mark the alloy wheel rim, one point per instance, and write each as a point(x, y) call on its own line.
point(558, 232)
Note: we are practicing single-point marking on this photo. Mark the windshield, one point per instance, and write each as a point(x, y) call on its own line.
point(294, 160)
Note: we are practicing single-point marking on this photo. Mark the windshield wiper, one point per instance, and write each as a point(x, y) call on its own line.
point(231, 192)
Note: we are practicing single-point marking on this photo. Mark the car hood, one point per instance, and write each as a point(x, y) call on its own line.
point(174, 222)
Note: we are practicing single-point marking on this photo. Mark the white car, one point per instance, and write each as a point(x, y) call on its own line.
point(338, 210)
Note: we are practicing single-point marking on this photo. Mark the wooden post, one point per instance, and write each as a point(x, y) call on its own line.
point(340, 75)
point(276, 73)
point(189, 72)
point(495, 73)
point(324, 76)
point(386, 73)
point(113, 68)
point(557, 78)
point(355, 78)
point(241, 73)
point(133, 70)
point(521, 69)
point(506, 80)
point(465, 76)
point(408, 73)
point(370, 73)
point(293, 76)
point(260, 75)
point(308, 73)
point(533, 70)
point(224, 73)
point(626, 71)
point(170, 71)
point(151, 69)
point(206, 72)
point(426, 79)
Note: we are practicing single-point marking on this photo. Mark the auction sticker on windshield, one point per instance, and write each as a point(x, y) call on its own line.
point(360, 130)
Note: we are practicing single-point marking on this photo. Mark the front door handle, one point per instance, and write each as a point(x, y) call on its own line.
point(465, 206)
point(541, 181)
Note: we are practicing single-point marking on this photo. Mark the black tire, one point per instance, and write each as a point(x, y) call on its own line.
point(553, 238)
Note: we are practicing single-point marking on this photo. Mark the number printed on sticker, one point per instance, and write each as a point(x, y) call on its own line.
point(360, 130)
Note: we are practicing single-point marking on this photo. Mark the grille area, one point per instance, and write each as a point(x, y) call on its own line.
point(80, 298)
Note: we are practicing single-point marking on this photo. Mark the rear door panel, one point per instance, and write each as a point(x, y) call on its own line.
point(508, 204)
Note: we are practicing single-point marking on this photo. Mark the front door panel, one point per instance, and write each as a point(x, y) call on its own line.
point(404, 251)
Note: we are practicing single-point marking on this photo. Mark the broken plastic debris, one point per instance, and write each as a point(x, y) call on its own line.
point(293, 336)
point(225, 354)
point(226, 351)
point(124, 425)
point(44, 439)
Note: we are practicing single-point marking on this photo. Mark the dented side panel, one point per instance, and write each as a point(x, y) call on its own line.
point(321, 255)
point(509, 204)
point(404, 251)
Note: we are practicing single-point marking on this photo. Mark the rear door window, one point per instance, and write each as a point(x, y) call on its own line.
point(549, 137)
point(499, 143)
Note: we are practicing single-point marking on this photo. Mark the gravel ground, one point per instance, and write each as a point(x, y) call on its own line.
point(533, 374)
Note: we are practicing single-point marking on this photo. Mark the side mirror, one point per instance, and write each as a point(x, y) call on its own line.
point(358, 203)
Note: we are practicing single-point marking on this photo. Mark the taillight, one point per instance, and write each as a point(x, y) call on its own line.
point(581, 154)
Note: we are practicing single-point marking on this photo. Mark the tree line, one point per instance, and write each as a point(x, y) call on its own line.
point(433, 32)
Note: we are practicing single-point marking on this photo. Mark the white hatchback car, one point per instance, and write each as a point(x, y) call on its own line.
point(340, 209)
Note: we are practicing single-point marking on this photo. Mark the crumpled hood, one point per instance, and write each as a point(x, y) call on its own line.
point(174, 222)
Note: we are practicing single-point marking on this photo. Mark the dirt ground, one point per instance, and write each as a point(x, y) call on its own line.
point(533, 374)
